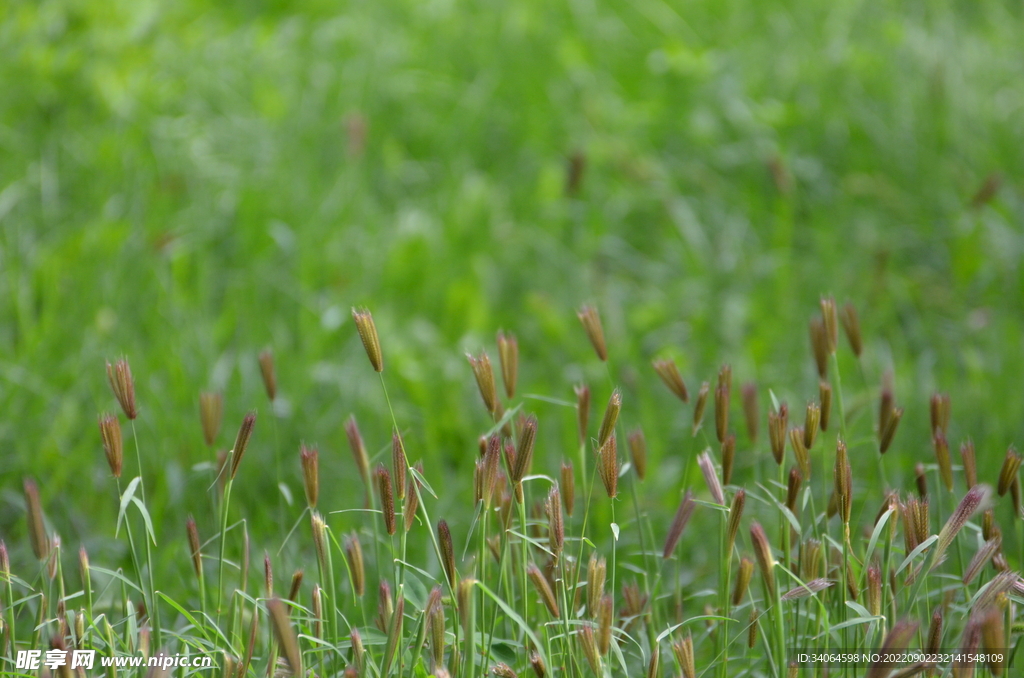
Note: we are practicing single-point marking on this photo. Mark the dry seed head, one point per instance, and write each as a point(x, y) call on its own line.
point(669, 373)
point(568, 487)
point(886, 403)
point(592, 325)
point(502, 670)
point(683, 650)
point(698, 407)
point(194, 545)
point(242, 441)
point(654, 665)
point(357, 570)
point(508, 354)
point(268, 575)
point(675, 530)
point(310, 459)
point(988, 526)
point(765, 559)
point(368, 335)
point(941, 448)
point(739, 500)
point(722, 393)
point(975, 499)
point(293, 592)
point(597, 570)
point(211, 412)
point(436, 625)
point(843, 481)
point(851, 325)
point(807, 590)
point(385, 606)
point(980, 559)
point(874, 590)
point(412, 498)
point(608, 467)
point(939, 407)
point(399, 463)
point(36, 529)
point(750, 410)
point(286, 640)
point(831, 322)
point(358, 651)
point(355, 442)
point(556, 527)
point(819, 346)
point(266, 360)
point(543, 588)
point(752, 628)
point(743, 577)
point(318, 611)
point(777, 423)
point(825, 402)
point(935, 632)
point(489, 470)
point(851, 583)
point(793, 489)
point(922, 480)
point(810, 559)
point(812, 421)
point(524, 451)
point(611, 415)
point(444, 538)
point(582, 410)
point(484, 374)
point(1007, 474)
point(537, 663)
point(387, 499)
point(394, 634)
point(589, 646)
point(969, 462)
point(890, 429)
point(121, 383)
point(638, 452)
point(604, 625)
point(803, 459)
point(707, 467)
point(110, 432)
point(320, 540)
point(5, 561)
point(993, 638)
point(728, 457)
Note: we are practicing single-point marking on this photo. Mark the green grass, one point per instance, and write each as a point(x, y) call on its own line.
point(180, 185)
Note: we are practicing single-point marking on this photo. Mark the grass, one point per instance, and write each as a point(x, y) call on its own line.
point(189, 186)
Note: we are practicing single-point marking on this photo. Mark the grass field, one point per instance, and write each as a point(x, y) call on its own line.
point(188, 185)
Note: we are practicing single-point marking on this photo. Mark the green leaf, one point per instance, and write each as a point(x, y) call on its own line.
point(185, 613)
point(917, 552)
point(876, 533)
point(516, 618)
point(145, 518)
point(126, 497)
point(422, 481)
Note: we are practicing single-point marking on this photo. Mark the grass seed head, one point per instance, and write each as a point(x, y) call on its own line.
point(357, 569)
point(5, 561)
point(358, 651)
point(537, 664)
point(589, 646)
point(739, 500)
point(843, 482)
point(980, 559)
point(489, 470)
point(819, 346)
point(310, 459)
point(121, 383)
point(886, 403)
point(268, 575)
point(1008, 473)
point(608, 467)
point(807, 590)
point(874, 590)
point(669, 373)
point(765, 559)
point(568, 487)
point(707, 468)
point(934, 641)
point(444, 538)
point(36, 528)
point(368, 335)
point(597, 570)
point(683, 650)
point(750, 409)
point(242, 441)
point(700, 405)
point(941, 447)
point(752, 627)
point(320, 540)
point(293, 591)
point(654, 665)
point(825, 402)
point(793, 489)
point(728, 457)
point(969, 462)
point(385, 606)
point(436, 627)
point(399, 463)
point(267, 372)
point(588, 315)
point(508, 354)
point(484, 374)
point(540, 583)
point(582, 410)
point(556, 526)
point(113, 446)
point(605, 614)
point(831, 322)
point(810, 559)
point(976, 498)
point(896, 641)
point(851, 326)
point(611, 416)
point(387, 499)
point(922, 480)
point(638, 452)
point(355, 443)
point(502, 670)
point(812, 422)
point(778, 421)
point(675, 530)
point(889, 432)
point(743, 576)
point(722, 396)
point(211, 413)
point(285, 634)
point(318, 611)
point(192, 532)
point(524, 451)
point(803, 459)
point(939, 407)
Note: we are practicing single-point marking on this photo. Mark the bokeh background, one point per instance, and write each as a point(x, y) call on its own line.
point(186, 184)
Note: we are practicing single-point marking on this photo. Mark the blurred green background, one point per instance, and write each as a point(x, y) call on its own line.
point(186, 184)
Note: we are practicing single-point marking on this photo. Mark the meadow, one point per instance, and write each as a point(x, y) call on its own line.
point(203, 189)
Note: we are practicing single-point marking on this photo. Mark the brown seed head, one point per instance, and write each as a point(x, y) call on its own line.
point(286, 640)
point(750, 409)
point(819, 346)
point(110, 432)
point(669, 373)
point(597, 571)
point(385, 606)
point(444, 538)
point(310, 459)
point(812, 422)
point(436, 627)
point(969, 462)
point(980, 559)
point(765, 559)
point(935, 632)
point(194, 546)
point(1008, 473)
point(611, 416)
point(896, 641)
point(36, 529)
point(807, 590)
point(777, 423)
point(211, 412)
point(810, 559)
point(412, 498)
point(843, 480)
point(825, 402)
point(266, 360)
point(939, 406)
point(489, 470)
point(399, 463)
point(890, 429)
point(589, 646)
point(543, 588)
point(318, 611)
point(851, 325)
point(357, 570)
point(242, 441)
point(700, 405)
point(707, 467)
point(793, 489)
point(728, 457)
point(508, 354)
point(582, 410)
point(568, 487)
point(502, 670)
point(675, 530)
point(941, 448)
point(368, 335)
point(293, 591)
point(608, 466)
point(638, 452)
point(484, 374)
point(592, 325)
point(604, 625)
point(268, 576)
point(556, 527)
point(5, 561)
point(874, 590)
point(683, 650)
point(831, 322)
point(537, 663)
point(387, 499)
point(922, 480)
point(722, 394)
point(739, 500)
point(743, 576)
point(120, 376)
point(886, 403)
point(752, 627)
point(320, 540)
point(976, 498)
point(803, 459)
point(355, 442)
